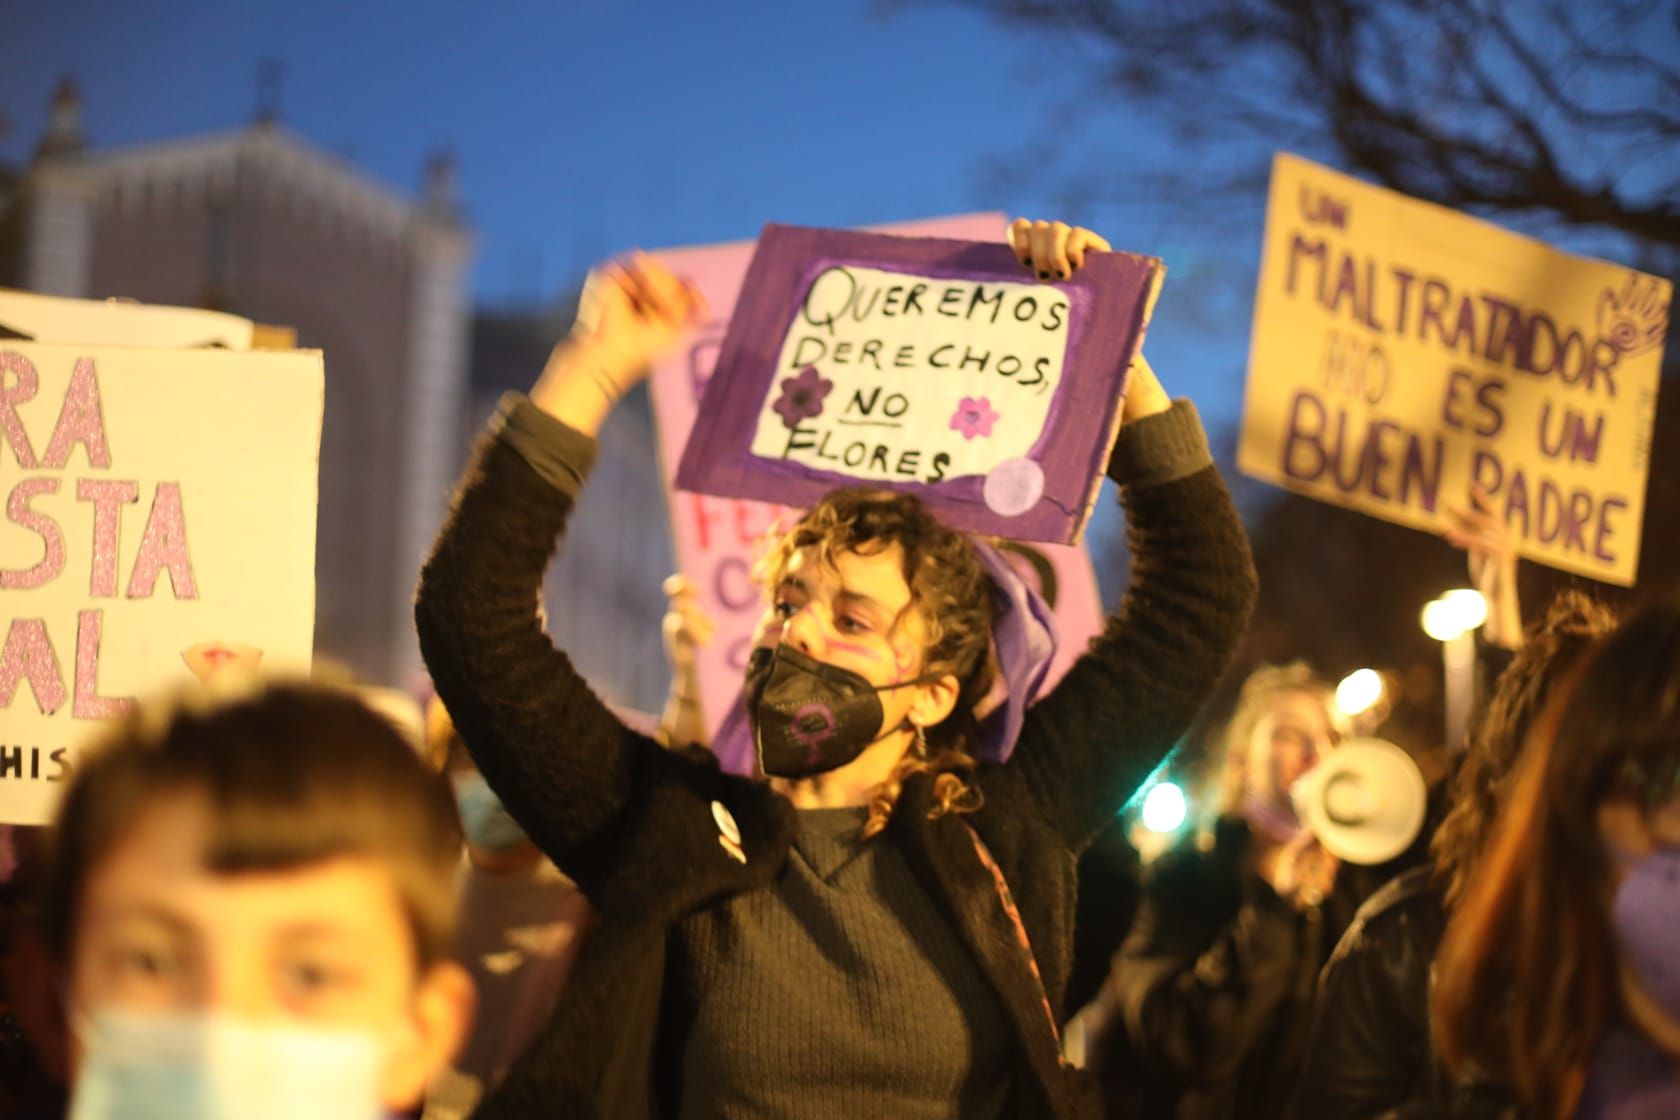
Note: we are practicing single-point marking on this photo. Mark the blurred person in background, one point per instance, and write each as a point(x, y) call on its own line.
point(522, 923)
point(1558, 978)
point(1370, 1051)
point(1206, 1008)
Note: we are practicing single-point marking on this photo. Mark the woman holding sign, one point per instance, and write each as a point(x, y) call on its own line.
point(883, 927)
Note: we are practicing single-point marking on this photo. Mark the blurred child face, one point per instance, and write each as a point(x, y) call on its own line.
point(324, 946)
point(1289, 739)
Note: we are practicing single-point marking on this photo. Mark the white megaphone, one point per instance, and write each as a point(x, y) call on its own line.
point(1365, 801)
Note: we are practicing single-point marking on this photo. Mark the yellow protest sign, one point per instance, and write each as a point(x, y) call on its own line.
point(1402, 351)
point(158, 523)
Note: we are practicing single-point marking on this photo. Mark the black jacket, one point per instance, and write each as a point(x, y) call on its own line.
point(1206, 1011)
point(1370, 1056)
point(1369, 1050)
point(634, 824)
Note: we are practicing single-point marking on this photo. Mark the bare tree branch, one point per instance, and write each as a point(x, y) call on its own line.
point(1486, 104)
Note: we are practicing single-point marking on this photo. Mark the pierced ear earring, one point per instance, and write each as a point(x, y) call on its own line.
point(921, 740)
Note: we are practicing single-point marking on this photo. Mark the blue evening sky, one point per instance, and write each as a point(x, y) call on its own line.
point(584, 127)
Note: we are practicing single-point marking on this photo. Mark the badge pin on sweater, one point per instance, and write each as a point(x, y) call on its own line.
point(729, 833)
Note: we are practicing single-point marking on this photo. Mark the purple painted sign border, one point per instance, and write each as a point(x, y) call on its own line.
point(1083, 415)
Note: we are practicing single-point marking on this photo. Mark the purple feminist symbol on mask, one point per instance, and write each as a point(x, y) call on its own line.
point(802, 397)
point(812, 726)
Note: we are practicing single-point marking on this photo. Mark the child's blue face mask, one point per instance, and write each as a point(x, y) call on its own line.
point(147, 1065)
point(485, 821)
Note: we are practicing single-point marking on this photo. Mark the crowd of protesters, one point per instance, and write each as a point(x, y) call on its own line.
point(263, 899)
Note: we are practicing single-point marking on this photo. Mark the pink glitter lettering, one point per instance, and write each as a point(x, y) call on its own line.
point(90, 627)
point(20, 390)
point(18, 511)
point(164, 545)
point(81, 420)
point(108, 498)
point(28, 656)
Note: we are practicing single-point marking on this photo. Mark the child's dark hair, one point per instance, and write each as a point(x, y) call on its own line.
point(292, 774)
point(948, 588)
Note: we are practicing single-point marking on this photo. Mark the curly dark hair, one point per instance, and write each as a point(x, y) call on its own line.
point(950, 590)
point(1552, 646)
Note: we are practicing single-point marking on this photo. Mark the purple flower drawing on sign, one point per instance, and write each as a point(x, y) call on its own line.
point(974, 417)
point(802, 396)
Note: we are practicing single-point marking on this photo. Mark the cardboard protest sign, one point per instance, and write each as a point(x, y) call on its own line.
point(718, 539)
point(1403, 351)
point(109, 322)
point(936, 366)
point(159, 522)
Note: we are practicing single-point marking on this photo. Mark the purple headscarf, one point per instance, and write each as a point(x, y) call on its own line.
point(1024, 636)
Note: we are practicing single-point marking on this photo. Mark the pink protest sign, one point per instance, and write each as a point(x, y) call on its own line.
point(718, 540)
point(936, 366)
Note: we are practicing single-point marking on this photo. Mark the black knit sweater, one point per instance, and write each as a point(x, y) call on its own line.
point(839, 992)
point(637, 826)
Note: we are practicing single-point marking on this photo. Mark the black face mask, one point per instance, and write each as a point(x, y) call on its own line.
point(809, 717)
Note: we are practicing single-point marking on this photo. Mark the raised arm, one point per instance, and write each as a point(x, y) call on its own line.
point(1492, 556)
point(1090, 743)
point(552, 751)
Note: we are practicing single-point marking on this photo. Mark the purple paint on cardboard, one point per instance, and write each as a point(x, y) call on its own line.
point(1072, 448)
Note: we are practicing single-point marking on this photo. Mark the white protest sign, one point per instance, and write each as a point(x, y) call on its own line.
point(159, 520)
point(928, 365)
point(860, 322)
point(110, 322)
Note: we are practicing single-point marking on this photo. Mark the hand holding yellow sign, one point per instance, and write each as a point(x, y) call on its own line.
point(1403, 353)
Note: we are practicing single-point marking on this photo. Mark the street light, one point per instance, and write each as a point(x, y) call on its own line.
point(1455, 613)
point(1164, 808)
point(1359, 692)
point(1452, 620)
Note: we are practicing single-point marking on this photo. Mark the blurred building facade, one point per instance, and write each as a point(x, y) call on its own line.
point(260, 223)
point(603, 593)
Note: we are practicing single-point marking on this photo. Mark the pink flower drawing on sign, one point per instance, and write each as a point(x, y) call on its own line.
point(974, 417)
point(802, 397)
